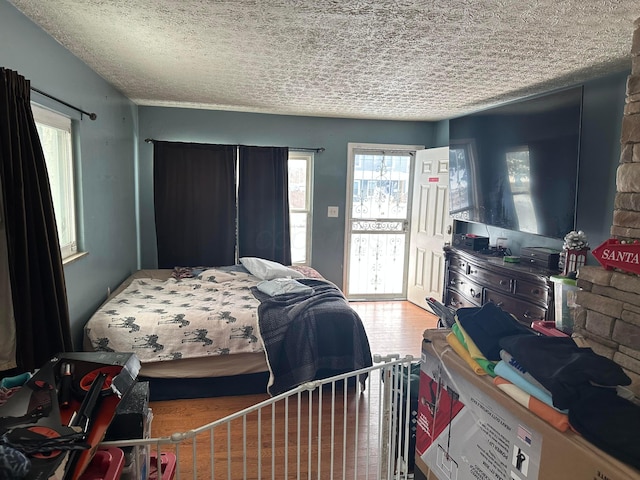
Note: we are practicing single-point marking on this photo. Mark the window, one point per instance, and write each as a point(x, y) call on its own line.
point(55, 136)
point(300, 182)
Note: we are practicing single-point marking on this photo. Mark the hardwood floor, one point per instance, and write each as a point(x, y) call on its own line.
point(392, 328)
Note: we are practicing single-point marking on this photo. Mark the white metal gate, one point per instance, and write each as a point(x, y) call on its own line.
point(343, 427)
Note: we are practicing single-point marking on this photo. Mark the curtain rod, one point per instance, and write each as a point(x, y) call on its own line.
point(296, 149)
point(92, 116)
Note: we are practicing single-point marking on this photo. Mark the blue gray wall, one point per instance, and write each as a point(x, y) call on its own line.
point(603, 105)
point(112, 153)
point(330, 167)
point(106, 154)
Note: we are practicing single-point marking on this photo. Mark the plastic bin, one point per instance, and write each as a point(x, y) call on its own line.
point(167, 466)
point(106, 464)
point(564, 293)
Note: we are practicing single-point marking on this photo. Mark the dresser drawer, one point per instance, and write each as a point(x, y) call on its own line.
point(469, 289)
point(459, 264)
point(473, 280)
point(525, 312)
point(491, 279)
point(457, 300)
point(534, 291)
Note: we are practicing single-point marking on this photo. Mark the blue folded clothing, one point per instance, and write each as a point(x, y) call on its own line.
point(513, 363)
point(507, 372)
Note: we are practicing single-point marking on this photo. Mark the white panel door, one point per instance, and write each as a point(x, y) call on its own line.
point(431, 226)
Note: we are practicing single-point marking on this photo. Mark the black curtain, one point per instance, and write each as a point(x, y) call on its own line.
point(263, 204)
point(195, 208)
point(35, 263)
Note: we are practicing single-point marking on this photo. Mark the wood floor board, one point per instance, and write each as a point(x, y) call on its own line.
point(392, 328)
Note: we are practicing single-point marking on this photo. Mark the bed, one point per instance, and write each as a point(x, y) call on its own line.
point(214, 331)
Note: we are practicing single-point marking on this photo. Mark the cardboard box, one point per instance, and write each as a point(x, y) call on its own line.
point(468, 429)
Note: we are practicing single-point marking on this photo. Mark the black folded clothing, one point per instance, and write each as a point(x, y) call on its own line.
point(610, 422)
point(563, 367)
point(486, 325)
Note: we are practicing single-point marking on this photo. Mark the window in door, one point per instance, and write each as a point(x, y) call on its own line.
point(55, 134)
point(300, 196)
point(379, 179)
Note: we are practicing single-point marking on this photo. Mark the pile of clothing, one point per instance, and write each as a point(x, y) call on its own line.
point(569, 386)
point(13, 463)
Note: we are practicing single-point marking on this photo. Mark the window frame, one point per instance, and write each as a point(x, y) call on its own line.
point(47, 117)
point(308, 157)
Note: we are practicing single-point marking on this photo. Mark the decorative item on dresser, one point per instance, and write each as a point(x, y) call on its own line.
point(473, 279)
point(574, 252)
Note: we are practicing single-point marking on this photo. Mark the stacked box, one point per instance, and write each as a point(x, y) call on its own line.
point(469, 429)
point(540, 257)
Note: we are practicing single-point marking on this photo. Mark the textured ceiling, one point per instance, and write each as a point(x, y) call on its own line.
point(400, 60)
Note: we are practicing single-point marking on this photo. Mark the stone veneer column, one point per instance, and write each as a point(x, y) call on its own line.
point(609, 313)
point(609, 317)
point(626, 214)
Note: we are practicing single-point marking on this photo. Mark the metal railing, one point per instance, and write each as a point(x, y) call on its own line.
point(356, 425)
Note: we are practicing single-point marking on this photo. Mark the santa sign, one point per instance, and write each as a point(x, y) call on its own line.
point(615, 254)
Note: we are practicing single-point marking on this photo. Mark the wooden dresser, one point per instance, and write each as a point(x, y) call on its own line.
point(473, 279)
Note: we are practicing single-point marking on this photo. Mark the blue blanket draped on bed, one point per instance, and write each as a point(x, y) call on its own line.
point(310, 336)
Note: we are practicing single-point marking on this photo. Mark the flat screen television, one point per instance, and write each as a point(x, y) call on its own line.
point(516, 166)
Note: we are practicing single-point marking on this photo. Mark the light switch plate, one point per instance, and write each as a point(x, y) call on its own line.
point(332, 212)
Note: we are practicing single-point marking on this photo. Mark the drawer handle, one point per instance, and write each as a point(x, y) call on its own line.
point(473, 271)
point(474, 294)
point(498, 304)
point(503, 282)
point(453, 283)
point(535, 291)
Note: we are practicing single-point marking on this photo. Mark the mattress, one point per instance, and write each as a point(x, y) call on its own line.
point(162, 319)
point(242, 363)
point(222, 323)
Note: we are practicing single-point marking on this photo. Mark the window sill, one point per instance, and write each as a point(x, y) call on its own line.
point(74, 257)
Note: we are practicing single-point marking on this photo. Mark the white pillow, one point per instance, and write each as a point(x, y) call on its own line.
point(268, 270)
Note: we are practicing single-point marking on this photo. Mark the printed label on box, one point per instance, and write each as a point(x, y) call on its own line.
point(462, 434)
